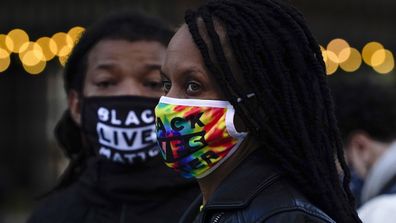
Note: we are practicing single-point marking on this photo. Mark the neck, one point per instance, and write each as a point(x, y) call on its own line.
point(209, 184)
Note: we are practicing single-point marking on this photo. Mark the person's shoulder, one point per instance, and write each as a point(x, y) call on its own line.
point(282, 201)
point(295, 215)
point(59, 206)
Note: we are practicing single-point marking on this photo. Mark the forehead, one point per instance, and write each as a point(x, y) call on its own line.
point(182, 53)
point(182, 38)
point(123, 50)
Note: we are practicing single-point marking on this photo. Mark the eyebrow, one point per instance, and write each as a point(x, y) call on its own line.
point(105, 66)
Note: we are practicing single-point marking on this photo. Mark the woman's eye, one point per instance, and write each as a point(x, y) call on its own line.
point(166, 86)
point(193, 87)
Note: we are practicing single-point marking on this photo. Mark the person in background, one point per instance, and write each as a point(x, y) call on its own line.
point(366, 113)
point(248, 113)
point(113, 83)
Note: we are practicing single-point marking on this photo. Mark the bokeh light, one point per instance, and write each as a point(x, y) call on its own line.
point(15, 40)
point(49, 48)
point(64, 43)
point(3, 44)
point(340, 48)
point(75, 33)
point(369, 49)
point(353, 62)
point(4, 53)
point(388, 62)
point(32, 54)
point(336, 54)
point(324, 55)
point(378, 57)
point(330, 61)
point(4, 60)
point(63, 60)
point(36, 69)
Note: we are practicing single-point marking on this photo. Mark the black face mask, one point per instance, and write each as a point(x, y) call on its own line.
point(120, 128)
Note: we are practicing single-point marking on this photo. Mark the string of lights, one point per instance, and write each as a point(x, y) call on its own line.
point(34, 56)
point(339, 54)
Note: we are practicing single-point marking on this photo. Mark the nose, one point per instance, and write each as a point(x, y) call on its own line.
point(175, 92)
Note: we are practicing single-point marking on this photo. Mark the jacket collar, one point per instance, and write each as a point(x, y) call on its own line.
point(115, 182)
point(252, 176)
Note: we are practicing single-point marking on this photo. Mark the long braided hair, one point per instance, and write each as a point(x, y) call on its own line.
point(288, 105)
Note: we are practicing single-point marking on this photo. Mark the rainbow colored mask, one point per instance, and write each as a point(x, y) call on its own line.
point(196, 136)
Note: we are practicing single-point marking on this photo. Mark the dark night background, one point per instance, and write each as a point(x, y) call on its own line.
point(30, 160)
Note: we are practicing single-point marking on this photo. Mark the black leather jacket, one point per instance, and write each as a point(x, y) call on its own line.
point(255, 192)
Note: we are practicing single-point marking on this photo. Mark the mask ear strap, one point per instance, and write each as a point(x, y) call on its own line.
point(253, 104)
point(248, 96)
point(229, 121)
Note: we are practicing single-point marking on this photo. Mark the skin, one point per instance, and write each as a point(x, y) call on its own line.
point(363, 152)
point(120, 67)
point(185, 76)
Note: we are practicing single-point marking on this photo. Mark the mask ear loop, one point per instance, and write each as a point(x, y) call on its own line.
point(239, 136)
point(230, 126)
point(248, 99)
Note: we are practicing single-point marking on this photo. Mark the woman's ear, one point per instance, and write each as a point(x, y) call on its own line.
point(74, 103)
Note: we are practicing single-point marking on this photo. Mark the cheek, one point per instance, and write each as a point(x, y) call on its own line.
point(89, 89)
point(213, 93)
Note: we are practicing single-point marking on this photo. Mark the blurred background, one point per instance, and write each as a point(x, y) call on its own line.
point(357, 37)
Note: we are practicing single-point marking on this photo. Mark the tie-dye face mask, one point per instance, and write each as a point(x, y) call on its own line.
point(196, 136)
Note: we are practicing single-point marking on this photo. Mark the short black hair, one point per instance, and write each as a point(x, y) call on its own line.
point(367, 106)
point(124, 25)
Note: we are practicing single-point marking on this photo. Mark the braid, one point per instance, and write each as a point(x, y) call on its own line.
point(282, 65)
point(330, 105)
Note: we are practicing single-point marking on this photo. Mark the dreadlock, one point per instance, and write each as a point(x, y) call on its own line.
point(122, 25)
point(286, 94)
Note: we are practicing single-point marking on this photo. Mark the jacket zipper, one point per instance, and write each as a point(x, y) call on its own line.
point(217, 218)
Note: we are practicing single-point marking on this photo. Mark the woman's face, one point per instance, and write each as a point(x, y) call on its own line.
point(184, 74)
point(120, 67)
